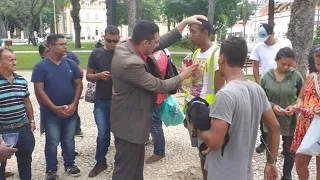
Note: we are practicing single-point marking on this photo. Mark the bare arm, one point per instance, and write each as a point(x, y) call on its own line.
point(300, 99)
point(214, 137)
point(91, 76)
point(256, 73)
point(29, 108)
point(39, 90)
point(271, 122)
point(78, 88)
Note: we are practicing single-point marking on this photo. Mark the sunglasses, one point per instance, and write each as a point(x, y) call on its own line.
point(112, 41)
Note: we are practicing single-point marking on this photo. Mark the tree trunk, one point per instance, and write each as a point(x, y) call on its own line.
point(31, 35)
point(168, 23)
point(134, 11)
point(245, 16)
point(300, 32)
point(271, 12)
point(76, 21)
point(211, 10)
point(3, 31)
point(318, 11)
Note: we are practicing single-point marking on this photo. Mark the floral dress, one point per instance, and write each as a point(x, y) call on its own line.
point(311, 100)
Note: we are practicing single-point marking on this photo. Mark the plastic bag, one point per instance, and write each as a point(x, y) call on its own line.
point(310, 144)
point(90, 92)
point(10, 139)
point(171, 113)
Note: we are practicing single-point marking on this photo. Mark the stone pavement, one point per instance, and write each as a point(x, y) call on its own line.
point(181, 161)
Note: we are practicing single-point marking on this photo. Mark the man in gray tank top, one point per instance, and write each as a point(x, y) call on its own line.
point(235, 116)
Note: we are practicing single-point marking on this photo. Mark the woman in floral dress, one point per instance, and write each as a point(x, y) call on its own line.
point(308, 98)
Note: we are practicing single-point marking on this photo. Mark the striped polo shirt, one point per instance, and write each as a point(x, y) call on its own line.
point(12, 106)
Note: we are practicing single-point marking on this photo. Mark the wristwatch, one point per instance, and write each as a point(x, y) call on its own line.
point(32, 121)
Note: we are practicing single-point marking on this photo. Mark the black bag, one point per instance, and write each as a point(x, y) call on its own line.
point(171, 72)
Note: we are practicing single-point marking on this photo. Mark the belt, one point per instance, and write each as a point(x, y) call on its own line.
point(13, 126)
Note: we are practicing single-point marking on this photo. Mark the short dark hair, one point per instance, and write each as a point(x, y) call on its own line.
point(235, 50)
point(52, 38)
point(144, 30)
point(42, 47)
point(112, 30)
point(2, 50)
point(285, 52)
point(206, 25)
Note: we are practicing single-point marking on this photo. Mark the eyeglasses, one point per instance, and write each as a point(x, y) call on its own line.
point(112, 41)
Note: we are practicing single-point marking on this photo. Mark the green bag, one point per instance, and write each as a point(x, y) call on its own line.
point(171, 113)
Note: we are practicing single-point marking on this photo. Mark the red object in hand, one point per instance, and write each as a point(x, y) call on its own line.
point(65, 108)
point(187, 61)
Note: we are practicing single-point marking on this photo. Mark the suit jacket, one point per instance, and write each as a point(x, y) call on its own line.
point(135, 88)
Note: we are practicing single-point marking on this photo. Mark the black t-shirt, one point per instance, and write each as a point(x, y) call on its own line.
point(100, 60)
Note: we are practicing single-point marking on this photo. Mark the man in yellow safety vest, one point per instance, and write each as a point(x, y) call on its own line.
point(207, 80)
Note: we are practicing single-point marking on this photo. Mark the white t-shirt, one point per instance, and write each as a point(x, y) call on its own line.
point(199, 84)
point(266, 54)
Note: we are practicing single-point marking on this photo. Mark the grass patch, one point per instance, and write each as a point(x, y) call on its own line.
point(28, 60)
point(178, 49)
point(30, 47)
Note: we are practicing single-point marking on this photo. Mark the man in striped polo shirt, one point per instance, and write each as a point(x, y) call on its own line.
point(16, 113)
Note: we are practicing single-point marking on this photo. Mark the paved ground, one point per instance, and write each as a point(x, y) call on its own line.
point(181, 161)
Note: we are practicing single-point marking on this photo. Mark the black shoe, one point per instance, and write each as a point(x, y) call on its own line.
point(79, 134)
point(9, 174)
point(260, 148)
point(282, 152)
point(73, 170)
point(97, 169)
point(51, 175)
point(76, 153)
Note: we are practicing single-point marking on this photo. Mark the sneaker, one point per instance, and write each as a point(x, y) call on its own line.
point(260, 148)
point(153, 158)
point(76, 153)
point(51, 175)
point(73, 170)
point(97, 169)
point(147, 143)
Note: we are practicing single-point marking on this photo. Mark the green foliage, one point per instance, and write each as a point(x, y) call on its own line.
point(186, 43)
point(317, 39)
point(149, 11)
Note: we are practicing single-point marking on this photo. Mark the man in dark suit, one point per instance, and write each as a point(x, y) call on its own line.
point(136, 82)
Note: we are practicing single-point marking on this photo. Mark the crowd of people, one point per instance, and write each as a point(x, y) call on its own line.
point(131, 80)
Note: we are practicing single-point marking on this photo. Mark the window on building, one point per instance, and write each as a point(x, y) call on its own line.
point(97, 33)
point(96, 16)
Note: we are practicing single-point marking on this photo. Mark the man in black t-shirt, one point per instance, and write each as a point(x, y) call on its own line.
point(98, 71)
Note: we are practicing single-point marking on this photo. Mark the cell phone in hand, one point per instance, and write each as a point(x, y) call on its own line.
point(282, 110)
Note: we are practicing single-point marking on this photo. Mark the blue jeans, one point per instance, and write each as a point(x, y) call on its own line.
point(25, 146)
point(102, 118)
point(59, 130)
point(157, 132)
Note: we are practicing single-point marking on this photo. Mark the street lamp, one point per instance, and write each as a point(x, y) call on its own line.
point(54, 16)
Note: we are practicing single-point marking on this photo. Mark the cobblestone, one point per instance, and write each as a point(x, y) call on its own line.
point(181, 161)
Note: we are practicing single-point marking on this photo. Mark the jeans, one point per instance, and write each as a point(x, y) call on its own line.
point(59, 130)
point(25, 146)
point(288, 158)
point(102, 118)
point(157, 132)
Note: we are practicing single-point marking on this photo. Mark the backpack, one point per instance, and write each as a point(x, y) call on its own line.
point(171, 71)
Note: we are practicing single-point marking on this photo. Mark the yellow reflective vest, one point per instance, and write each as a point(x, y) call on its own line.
point(211, 70)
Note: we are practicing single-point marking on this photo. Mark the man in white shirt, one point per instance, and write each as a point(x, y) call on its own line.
point(264, 53)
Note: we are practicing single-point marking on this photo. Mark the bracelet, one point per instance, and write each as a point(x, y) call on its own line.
point(31, 121)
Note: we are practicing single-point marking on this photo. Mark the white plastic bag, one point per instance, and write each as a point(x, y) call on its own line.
point(310, 144)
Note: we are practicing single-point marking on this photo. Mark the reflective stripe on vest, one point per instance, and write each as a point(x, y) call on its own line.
point(211, 68)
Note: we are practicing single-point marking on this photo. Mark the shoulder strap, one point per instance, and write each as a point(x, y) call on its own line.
point(194, 55)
